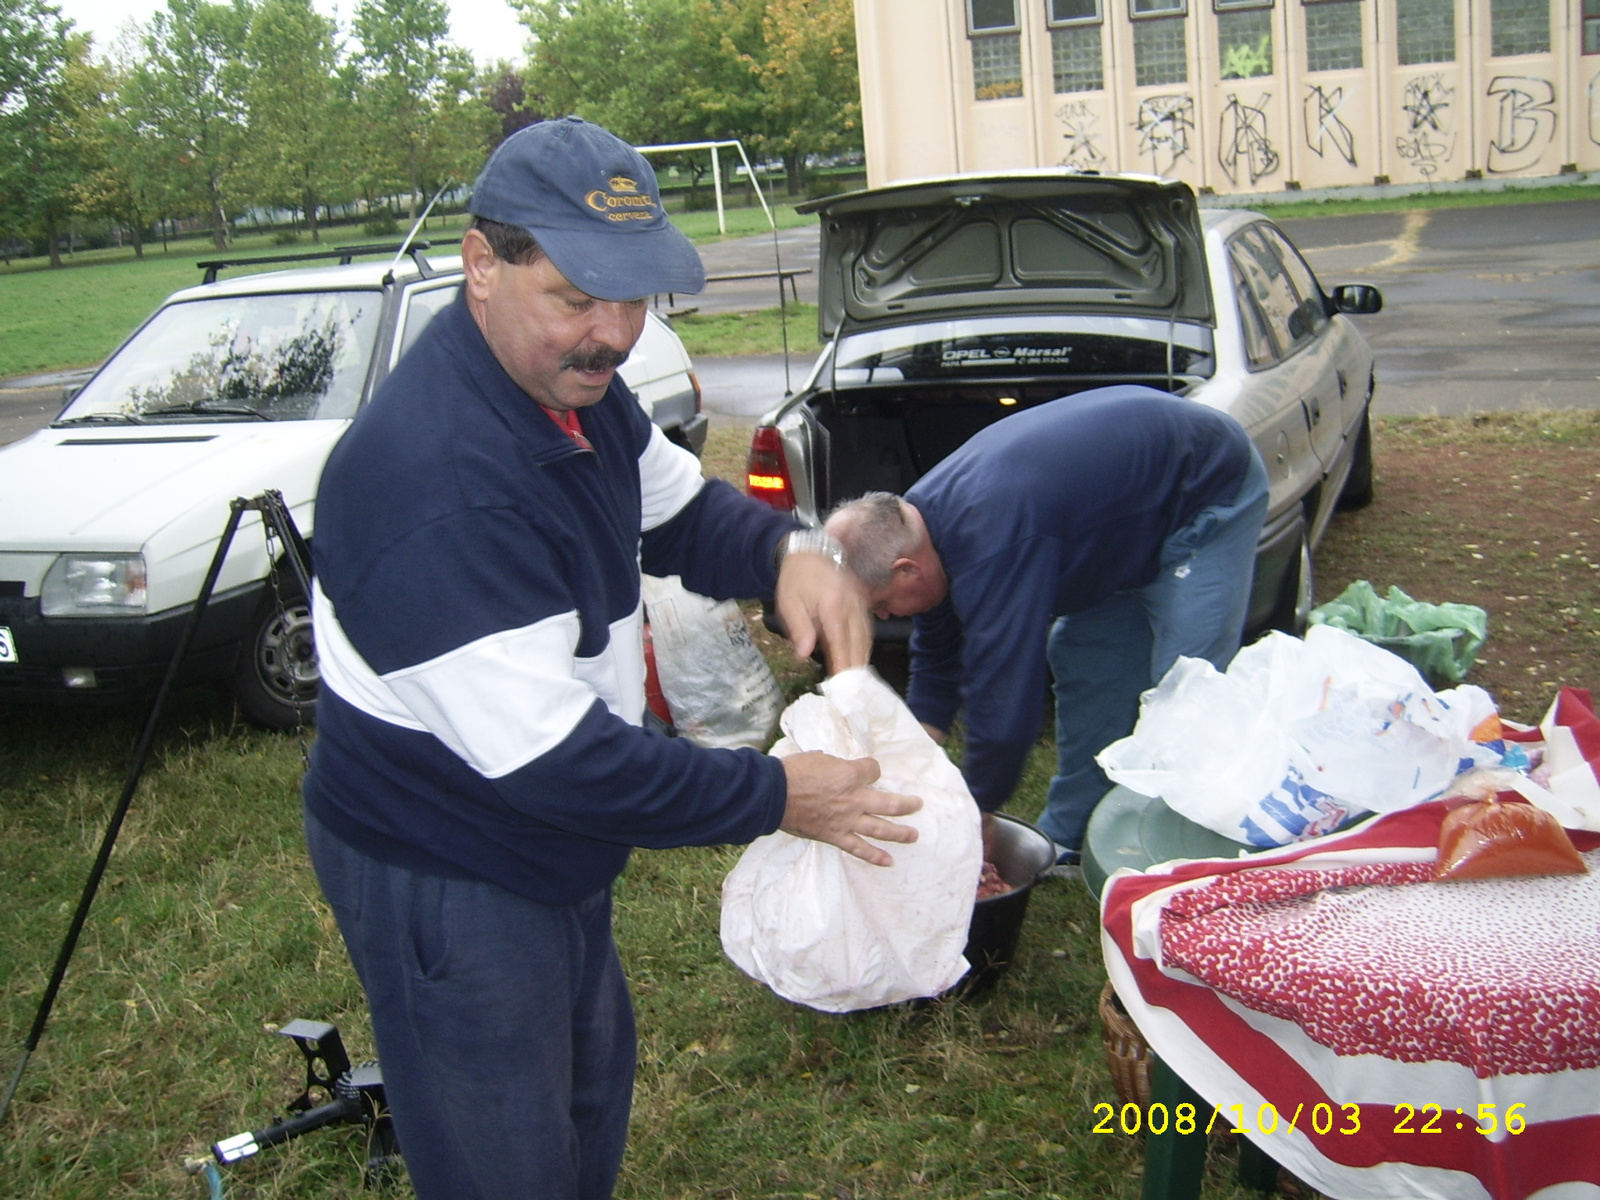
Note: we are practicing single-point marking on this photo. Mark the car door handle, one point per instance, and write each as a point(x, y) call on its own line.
point(1344, 384)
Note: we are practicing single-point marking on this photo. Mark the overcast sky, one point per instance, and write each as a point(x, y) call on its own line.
point(488, 28)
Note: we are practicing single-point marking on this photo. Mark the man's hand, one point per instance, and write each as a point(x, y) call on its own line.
point(933, 731)
point(818, 600)
point(829, 801)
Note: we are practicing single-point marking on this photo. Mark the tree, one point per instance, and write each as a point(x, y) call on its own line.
point(810, 82)
point(191, 92)
point(122, 179)
point(297, 151)
point(41, 107)
point(651, 71)
point(504, 91)
point(424, 123)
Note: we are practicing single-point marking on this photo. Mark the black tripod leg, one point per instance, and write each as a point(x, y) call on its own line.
point(141, 754)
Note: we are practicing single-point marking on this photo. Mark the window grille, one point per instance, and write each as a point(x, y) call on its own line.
point(1075, 57)
point(1160, 52)
point(1333, 36)
point(1425, 31)
point(1244, 43)
point(1519, 27)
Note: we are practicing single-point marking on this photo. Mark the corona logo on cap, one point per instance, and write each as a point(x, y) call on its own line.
point(621, 200)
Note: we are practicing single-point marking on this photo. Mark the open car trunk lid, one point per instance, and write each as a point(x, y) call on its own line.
point(1052, 240)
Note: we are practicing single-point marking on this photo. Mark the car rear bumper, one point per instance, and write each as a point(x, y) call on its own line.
point(89, 660)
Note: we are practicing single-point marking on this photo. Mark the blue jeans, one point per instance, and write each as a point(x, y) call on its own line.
point(1104, 658)
point(504, 1028)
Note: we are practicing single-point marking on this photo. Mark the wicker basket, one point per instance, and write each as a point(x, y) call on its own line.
point(1127, 1053)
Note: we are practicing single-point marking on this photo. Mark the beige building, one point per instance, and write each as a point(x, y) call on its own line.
point(1233, 95)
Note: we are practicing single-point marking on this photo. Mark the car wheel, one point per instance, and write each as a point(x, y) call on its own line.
point(1296, 595)
point(275, 681)
point(1357, 491)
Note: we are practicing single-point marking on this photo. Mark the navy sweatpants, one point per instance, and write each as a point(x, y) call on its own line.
point(504, 1028)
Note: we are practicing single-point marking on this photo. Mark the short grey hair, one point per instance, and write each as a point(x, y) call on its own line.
point(875, 533)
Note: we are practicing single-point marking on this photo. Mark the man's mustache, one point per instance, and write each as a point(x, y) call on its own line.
point(601, 358)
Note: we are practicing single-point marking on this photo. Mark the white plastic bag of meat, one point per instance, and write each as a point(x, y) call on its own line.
point(821, 927)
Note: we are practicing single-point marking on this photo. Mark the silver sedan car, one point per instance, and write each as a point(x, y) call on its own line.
point(951, 303)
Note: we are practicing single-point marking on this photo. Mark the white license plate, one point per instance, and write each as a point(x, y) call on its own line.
point(8, 648)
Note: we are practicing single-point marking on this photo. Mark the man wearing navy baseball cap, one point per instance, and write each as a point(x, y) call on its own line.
point(481, 772)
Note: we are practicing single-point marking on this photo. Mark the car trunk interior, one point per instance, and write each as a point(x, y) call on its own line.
point(885, 439)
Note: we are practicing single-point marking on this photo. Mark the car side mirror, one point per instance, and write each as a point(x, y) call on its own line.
point(1359, 298)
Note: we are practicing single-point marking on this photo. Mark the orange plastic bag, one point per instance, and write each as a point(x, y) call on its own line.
point(1488, 839)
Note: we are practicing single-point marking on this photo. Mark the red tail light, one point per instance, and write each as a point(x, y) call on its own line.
point(767, 472)
point(695, 380)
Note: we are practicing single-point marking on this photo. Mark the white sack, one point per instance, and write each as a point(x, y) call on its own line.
point(822, 928)
point(1297, 736)
point(717, 684)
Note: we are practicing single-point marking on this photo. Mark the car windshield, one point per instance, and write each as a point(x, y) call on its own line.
point(1023, 347)
point(275, 357)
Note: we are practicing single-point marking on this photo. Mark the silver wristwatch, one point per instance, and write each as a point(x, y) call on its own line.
point(814, 541)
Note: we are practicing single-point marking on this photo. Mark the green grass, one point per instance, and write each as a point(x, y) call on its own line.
point(210, 930)
point(53, 320)
point(1486, 198)
point(759, 332)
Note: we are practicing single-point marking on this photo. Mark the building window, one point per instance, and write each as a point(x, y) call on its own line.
point(1160, 52)
point(1426, 31)
point(1071, 12)
point(1075, 55)
point(1591, 26)
point(1157, 8)
point(1519, 27)
point(1333, 36)
point(1244, 43)
point(996, 48)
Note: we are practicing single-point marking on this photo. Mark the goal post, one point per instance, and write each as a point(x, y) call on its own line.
point(716, 173)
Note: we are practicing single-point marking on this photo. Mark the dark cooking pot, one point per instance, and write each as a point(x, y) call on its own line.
point(1022, 854)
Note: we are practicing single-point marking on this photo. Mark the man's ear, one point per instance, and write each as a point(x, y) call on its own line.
point(905, 566)
point(477, 260)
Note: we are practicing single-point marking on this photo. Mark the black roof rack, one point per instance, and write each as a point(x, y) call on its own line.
point(345, 254)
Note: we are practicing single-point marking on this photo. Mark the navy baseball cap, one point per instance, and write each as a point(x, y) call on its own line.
point(592, 203)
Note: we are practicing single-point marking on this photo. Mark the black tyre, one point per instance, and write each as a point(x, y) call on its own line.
point(1357, 491)
point(1297, 594)
point(275, 680)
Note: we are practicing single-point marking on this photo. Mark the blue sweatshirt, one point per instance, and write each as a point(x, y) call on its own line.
point(1041, 515)
point(478, 622)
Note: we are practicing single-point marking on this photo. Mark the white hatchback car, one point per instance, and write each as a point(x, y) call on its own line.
point(110, 516)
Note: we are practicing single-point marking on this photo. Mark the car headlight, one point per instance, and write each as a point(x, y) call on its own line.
point(95, 585)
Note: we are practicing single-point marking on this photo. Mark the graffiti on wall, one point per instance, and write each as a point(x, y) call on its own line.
point(1594, 110)
point(1244, 146)
point(1524, 123)
point(1078, 122)
point(1429, 140)
point(1165, 126)
point(1323, 126)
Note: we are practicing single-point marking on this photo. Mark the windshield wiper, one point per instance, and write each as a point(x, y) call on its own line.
point(208, 409)
point(100, 419)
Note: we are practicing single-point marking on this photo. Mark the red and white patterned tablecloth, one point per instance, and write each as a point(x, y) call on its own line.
point(1333, 973)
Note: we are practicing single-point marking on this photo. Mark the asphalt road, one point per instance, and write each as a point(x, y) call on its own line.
point(1485, 309)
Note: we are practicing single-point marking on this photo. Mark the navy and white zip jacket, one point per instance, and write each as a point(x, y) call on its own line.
point(478, 623)
point(1041, 515)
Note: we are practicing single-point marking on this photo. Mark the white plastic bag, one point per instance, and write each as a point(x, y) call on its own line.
point(821, 927)
point(1297, 736)
point(717, 684)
